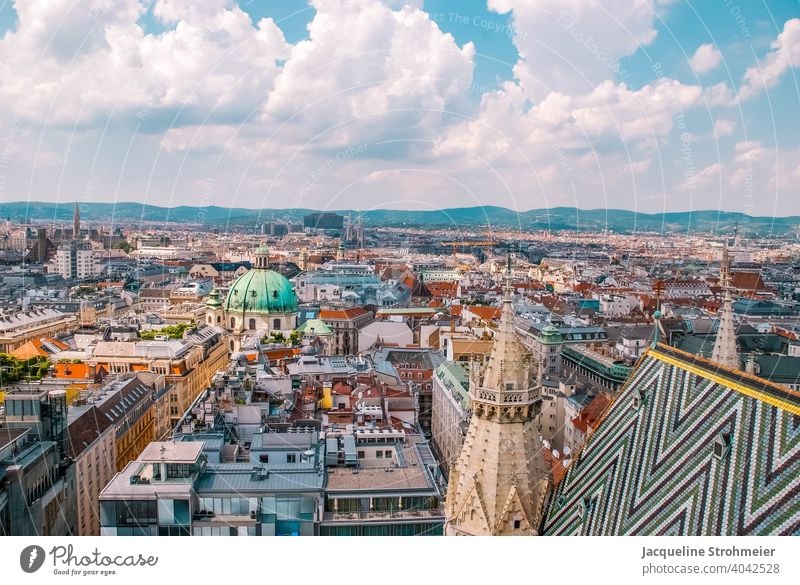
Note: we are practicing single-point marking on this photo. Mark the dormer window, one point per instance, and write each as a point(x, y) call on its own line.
point(722, 445)
point(639, 398)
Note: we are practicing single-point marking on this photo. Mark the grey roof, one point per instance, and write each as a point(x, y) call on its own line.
point(239, 478)
point(282, 441)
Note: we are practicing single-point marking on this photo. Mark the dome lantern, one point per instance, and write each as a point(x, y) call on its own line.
point(262, 257)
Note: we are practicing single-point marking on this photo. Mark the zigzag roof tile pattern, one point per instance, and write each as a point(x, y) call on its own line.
point(687, 448)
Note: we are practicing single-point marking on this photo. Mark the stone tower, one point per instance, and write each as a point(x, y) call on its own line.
point(501, 480)
point(725, 350)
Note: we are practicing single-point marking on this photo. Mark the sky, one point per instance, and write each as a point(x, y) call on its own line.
point(648, 105)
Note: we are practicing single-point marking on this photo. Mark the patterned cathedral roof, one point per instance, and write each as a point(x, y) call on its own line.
point(688, 447)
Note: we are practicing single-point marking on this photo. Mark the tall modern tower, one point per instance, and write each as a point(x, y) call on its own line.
point(76, 223)
point(725, 350)
point(500, 482)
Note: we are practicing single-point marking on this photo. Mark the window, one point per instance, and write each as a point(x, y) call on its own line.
point(388, 454)
point(276, 324)
point(233, 322)
point(251, 324)
point(379, 454)
point(263, 458)
point(722, 445)
point(361, 455)
point(291, 458)
point(517, 523)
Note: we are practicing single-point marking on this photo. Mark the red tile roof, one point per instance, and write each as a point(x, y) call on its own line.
point(485, 313)
point(344, 314)
point(591, 415)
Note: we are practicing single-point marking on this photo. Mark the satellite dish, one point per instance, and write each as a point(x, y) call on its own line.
point(546, 444)
point(567, 451)
point(566, 462)
point(556, 454)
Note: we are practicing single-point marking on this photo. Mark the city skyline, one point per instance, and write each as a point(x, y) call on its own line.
point(657, 106)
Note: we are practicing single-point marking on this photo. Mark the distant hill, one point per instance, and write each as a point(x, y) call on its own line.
point(475, 218)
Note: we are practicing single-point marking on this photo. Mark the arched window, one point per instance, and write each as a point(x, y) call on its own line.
point(210, 319)
point(219, 319)
point(276, 324)
point(233, 323)
point(251, 324)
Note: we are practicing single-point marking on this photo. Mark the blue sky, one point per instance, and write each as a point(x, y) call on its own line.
point(653, 105)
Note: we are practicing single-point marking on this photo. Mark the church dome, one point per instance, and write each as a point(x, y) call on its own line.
point(261, 290)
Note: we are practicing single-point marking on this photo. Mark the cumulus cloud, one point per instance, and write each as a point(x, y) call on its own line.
point(783, 56)
point(567, 46)
point(706, 58)
point(208, 106)
point(77, 63)
point(398, 75)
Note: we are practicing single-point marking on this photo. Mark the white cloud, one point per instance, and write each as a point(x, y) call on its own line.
point(706, 58)
point(375, 107)
point(785, 55)
point(397, 77)
point(77, 63)
point(569, 46)
point(724, 127)
point(719, 95)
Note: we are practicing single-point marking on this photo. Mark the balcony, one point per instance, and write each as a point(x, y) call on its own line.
point(384, 516)
point(507, 397)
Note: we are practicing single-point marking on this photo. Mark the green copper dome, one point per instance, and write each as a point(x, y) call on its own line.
point(550, 334)
point(315, 326)
point(261, 290)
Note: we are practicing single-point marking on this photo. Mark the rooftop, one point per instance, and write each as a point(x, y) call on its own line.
point(182, 452)
point(383, 475)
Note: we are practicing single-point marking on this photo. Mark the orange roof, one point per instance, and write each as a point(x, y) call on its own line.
point(35, 347)
point(435, 304)
point(75, 371)
point(485, 313)
point(591, 415)
point(455, 310)
point(442, 289)
point(342, 313)
point(281, 353)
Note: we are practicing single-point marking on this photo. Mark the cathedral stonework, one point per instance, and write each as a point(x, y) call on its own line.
point(500, 482)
